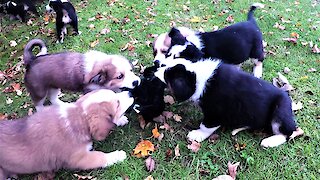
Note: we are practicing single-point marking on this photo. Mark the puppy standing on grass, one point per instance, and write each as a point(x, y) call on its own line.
point(61, 136)
point(233, 44)
point(46, 73)
point(18, 9)
point(65, 14)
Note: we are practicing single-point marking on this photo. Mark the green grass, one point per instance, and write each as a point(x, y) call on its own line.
point(298, 159)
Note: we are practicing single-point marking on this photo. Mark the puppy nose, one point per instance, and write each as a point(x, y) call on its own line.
point(156, 63)
point(163, 65)
point(135, 83)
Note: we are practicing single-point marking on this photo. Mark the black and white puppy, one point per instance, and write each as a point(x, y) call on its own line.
point(148, 96)
point(233, 44)
point(18, 9)
point(65, 14)
point(230, 98)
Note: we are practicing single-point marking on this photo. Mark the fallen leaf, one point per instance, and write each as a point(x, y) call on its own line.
point(84, 177)
point(168, 154)
point(213, 138)
point(149, 178)
point(279, 26)
point(167, 114)
point(105, 31)
point(94, 43)
point(292, 40)
point(3, 116)
point(294, 35)
point(296, 106)
point(315, 49)
point(230, 19)
point(91, 26)
point(195, 19)
point(194, 146)
point(150, 164)
point(159, 119)
point(177, 151)
point(30, 111)
point(232, 168)
point(312, 70)
point(13, 43)
point(9, 101)
point(177, 118)
point(142, 121)
point(239, 147)
point(168, 99)
point(167, 127)
point(144, 148)
point(286, 70)
point(155, 132)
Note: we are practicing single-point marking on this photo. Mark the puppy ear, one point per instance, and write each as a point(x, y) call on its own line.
point(182, 83)
point(192, 53)
point(176, 37)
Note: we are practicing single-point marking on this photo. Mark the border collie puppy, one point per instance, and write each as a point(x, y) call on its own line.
point(149, 95)
point(65, 14)
point(233, 44)
point(18, 9)
point(231, 98)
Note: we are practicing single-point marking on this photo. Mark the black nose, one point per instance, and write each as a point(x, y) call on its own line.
point(156, 63)
point(135, 83)
point(163, 65)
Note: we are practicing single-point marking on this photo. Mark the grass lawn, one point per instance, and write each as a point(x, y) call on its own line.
point(129, 27)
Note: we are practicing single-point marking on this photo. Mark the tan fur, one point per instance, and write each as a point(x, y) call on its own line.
point(59, 137)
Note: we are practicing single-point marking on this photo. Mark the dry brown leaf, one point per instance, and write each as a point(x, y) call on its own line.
point(167, 114)
point(279, 26)
point(30, 111)
point(195, 19)
point(168, 154)
point(312, 70)
point(233, 169)
point(167, 127)
point(213, 138)
point(177, 151)
point(105, 31)
point(194, 146)
point(84, 177)
point(3, 116)
point(177, 118)
point(315, 49)
point(91, 26)
point(142, 122)
point(159, 119)
point(9, 101)
point(292, 40)
point(94, 43)
point(239, 147)
point(168, 99)
point(230, 19)
point(13, 43)
point(150, 164)
point(296, 106)
point(143, 149)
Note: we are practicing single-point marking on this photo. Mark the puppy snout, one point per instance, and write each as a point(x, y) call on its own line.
point(157, 63)
point(163, 65)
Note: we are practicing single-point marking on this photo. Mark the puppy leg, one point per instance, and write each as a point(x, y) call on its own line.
point(235, 131)
point(123, 120)
point(59, 26)
point(202, 133)
point(54, 96)
point(274, 141)
point(97, 159)
point(74, 25)
point(257, 69)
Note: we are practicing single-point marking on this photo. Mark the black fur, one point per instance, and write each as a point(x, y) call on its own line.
point(235, 99)
point(18, 8)
point(149, 95)
point(233, 44)
point(60, 8)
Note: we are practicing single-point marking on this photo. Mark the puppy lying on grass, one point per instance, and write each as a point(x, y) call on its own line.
point(61, 136)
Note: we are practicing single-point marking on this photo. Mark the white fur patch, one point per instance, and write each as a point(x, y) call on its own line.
point(114, 157)
point(159, 47)
point(91, 57)
point(66, 19)
point(236, 131)
point(99, 96)
point(63, 109)
point(63, 1)
point(43, 51)
point(89, 146)
point(274, 141)
point(125, 101)
point(194, 38)
point(201, 134)
point(123, 120)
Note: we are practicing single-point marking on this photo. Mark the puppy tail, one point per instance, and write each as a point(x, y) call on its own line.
point(28, 56)
point(253, 7)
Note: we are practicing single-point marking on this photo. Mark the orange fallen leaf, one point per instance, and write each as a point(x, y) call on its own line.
point(177, 118)
point(155, 132)
point(94, 43)
point(144, 148)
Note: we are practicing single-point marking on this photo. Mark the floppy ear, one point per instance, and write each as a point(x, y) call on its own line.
point(182, 83)
point(176, 37)
point(192, 53)
point(100, 119)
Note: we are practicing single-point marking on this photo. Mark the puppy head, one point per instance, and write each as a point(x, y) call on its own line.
point(101, 109)
point(54, 5)
point(108, 71)
point(182, 48)
point(160, 47)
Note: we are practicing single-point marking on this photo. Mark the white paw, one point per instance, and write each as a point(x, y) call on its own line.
point(114, 157)
point(273, 141)
point(123, 120)
point(197, 135)
point(257, 71)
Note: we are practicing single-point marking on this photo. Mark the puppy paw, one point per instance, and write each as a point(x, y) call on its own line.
point(273, 141)
point(115, 157)
point(123, 120)
point(197, 135)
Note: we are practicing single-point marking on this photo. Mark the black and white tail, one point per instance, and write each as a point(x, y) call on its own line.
point(28, 56)
point(253, 7)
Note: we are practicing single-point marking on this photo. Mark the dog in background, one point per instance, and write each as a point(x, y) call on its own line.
point(18, 9)
point(61, 136)
point(230, 98)
point(46, 73)
point(233, 44)
point(148, 96)
point(65, 14)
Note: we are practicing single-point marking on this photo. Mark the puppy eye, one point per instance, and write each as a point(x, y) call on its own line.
point(163, 51)
point(120, 76)
point(168, 55)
